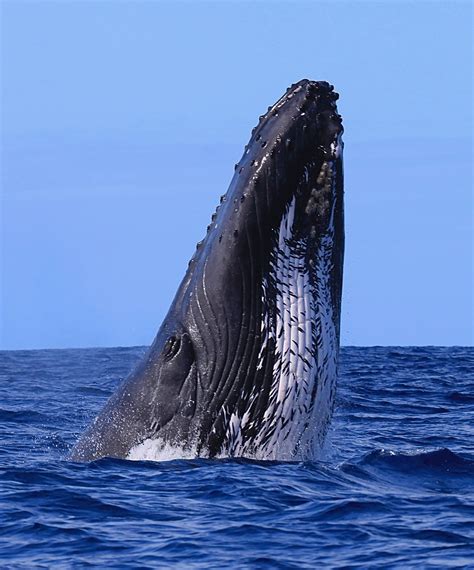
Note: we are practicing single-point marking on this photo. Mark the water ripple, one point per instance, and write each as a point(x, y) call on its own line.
point(395, 486)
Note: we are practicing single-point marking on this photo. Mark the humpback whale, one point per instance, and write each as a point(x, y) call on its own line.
point(245, 362)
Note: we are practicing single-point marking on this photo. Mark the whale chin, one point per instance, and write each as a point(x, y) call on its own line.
point(245, 362)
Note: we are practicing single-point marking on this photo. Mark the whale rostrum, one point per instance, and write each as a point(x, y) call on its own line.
point(245, 362)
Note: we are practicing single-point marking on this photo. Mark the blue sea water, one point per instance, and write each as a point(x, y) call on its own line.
point(394, 489)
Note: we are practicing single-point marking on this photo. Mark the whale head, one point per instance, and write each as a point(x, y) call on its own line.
point(245, 362)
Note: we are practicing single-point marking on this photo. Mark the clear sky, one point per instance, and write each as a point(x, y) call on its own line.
point(121, 123)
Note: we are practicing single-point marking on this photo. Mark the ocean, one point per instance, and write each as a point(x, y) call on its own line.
point(394, 487)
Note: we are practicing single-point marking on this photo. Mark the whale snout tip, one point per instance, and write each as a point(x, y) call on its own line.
point(312, 88)
point(309, 100)
point(309, 94)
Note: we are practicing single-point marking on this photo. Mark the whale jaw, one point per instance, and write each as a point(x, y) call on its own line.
point(245, 363)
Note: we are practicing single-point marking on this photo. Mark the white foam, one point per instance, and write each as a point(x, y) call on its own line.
point(157, 450)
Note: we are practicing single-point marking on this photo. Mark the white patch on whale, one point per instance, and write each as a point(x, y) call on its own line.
point(155, 449)
point(306, 348)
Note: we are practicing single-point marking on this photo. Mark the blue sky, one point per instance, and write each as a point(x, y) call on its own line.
point(121, 123)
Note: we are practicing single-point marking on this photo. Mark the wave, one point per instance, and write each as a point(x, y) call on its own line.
point(26, 416)
point(460, 397)
point(442, 459)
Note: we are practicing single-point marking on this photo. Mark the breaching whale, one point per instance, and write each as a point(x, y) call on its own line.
point(245, 362)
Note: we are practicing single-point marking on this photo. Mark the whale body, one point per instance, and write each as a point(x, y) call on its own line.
point(245, 362)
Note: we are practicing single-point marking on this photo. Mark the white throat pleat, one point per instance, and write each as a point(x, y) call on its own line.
point(294, 362)
point(300, 321)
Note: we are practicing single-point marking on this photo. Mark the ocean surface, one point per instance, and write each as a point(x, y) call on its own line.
point(394, 488)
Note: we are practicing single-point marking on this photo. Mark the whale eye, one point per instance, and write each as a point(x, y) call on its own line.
point(172, 346)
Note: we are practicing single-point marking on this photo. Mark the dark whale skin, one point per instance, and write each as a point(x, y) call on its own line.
point(208, 381)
